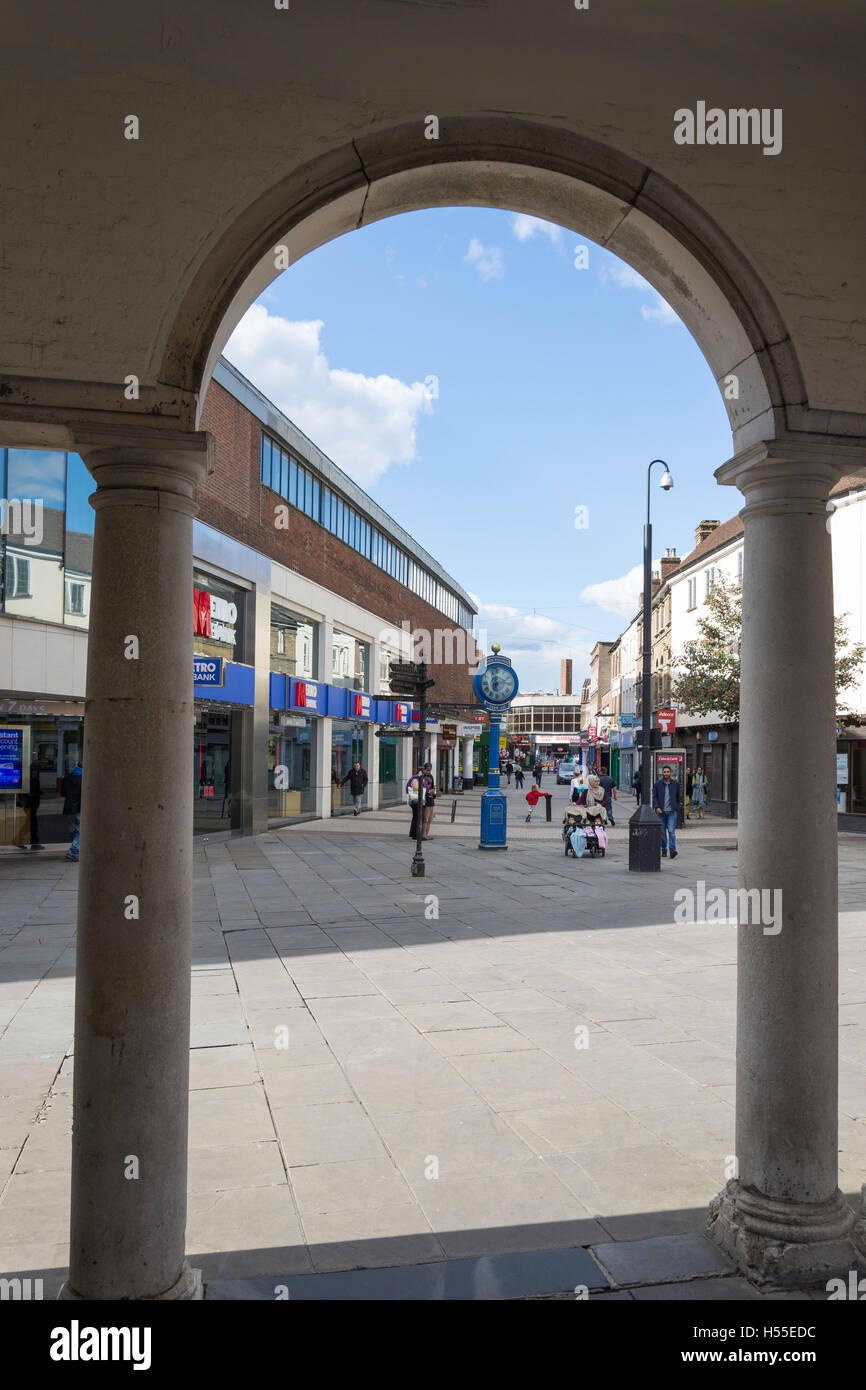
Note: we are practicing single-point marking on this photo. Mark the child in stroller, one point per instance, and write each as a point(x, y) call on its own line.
point(583, 833)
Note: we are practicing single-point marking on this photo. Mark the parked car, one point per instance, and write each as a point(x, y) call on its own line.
point(566, 770)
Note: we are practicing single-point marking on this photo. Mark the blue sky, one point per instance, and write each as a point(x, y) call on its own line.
point(556, 386)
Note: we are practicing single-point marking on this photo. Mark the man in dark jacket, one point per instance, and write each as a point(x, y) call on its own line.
point(666, 803)
point(357, 779)
point(31, 802)
point(71, 788)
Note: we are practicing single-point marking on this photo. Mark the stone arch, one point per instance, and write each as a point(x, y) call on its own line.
point(521, 166)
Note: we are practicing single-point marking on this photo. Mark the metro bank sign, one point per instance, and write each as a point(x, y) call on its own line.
point(213, 617)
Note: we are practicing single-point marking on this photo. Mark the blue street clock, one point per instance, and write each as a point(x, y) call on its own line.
point(495, 687)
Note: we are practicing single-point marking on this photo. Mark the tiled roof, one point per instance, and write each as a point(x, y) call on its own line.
point(721, 536)
point(729, 530)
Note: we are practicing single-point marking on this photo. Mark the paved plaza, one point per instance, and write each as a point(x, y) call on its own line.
point(519, 1053)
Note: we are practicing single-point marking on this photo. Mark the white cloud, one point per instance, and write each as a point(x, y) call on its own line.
point(536, 644)
point(660, 312)
point(365, 423)
point(622, 275)
point(525, 228)
point(486, 259)
point(620, 596)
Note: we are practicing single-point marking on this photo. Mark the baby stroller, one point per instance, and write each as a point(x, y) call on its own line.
point(583, 834)
point(596, 836)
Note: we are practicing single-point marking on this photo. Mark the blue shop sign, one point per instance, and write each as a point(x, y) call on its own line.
point(208, 670)
point(237, 687)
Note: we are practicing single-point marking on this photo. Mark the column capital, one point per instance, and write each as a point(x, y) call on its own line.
point(793, 473)
point(149, 466)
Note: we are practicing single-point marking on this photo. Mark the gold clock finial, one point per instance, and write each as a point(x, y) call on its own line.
point(496, 649)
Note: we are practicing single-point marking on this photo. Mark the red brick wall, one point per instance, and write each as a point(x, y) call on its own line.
point(234, 501)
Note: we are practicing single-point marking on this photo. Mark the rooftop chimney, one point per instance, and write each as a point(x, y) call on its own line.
point(668, 562)
point(565, 676)
point(704, 529)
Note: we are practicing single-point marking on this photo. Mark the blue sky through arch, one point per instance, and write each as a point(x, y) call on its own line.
point(482, 377)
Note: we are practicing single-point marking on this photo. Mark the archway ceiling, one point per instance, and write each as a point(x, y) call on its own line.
point(103, 237)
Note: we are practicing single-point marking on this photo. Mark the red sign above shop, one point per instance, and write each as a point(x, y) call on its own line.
point(201, 613)
point(666, 719)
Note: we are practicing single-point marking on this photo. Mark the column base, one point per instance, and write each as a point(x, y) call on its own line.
point(787, 1244)
point(187, 1288)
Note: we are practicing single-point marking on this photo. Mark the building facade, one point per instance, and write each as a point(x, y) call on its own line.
point(304, 591)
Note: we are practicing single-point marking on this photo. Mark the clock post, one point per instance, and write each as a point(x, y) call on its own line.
point(495, 687)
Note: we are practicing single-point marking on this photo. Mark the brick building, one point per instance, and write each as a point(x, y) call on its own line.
point(304, 591)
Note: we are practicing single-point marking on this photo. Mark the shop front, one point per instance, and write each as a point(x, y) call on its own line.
point(349, 744)
point(291, 768)
point(714, 749)
point(446, 751)
point(223, 695)
point(851, 778)
point(391, 738)
point(51, 733)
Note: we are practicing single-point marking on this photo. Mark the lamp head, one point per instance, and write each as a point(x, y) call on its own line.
point(666, 481)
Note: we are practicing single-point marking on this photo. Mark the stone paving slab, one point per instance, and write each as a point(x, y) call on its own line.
point(516, 1053)
point(661, 1258)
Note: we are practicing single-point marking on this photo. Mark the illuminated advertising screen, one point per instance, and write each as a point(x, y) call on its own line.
point(12, 759)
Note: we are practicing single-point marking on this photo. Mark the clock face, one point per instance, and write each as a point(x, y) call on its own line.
point(498, 684)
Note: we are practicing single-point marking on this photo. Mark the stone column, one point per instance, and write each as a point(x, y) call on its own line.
point(783, 1217)
point(130, 1093)
point(468, 747)
point(321, 736)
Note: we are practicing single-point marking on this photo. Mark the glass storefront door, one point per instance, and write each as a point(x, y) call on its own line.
point(291, 770)
point(389, 788)
point(348, 746)
point(212, 771)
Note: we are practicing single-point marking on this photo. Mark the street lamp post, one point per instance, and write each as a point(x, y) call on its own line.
point(644, 828)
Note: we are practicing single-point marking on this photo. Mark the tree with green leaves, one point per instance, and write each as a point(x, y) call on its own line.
point(709, 666)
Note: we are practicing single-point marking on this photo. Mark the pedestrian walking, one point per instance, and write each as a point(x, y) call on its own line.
point(518, 776)
point(635, 781)
point(357, 779)
point(71, 788)
point(578, 786)
point(509, 768)
point(689, 781)
point(31, 802)
point(532, 797)
point(593, 797)
point(699, 792)
point(415, 794)
point(666, 804)
point(537, 771)
point(429, 800)
point(609, 787)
